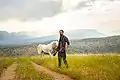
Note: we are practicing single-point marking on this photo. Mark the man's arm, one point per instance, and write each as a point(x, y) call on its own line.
point(67, 40)
point(67, 43)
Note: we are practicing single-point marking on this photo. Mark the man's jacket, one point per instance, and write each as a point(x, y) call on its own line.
point(62, 43)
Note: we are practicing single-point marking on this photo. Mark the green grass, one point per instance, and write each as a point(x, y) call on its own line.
point(88, 67)
point(4, 63)
point(26, 71)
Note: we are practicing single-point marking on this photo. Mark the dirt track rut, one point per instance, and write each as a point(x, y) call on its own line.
point(54, 75)
point(9, 73)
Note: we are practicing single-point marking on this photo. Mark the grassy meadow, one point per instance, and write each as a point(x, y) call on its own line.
point(81, 67)
point(26, 71)
point(86, 67)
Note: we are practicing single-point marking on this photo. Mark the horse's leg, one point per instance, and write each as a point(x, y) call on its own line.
point(42, 53)
point(50, 54)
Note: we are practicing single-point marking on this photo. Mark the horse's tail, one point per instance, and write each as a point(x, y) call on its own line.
point(39, 49)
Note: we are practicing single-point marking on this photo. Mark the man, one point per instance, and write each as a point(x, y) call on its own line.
point(62, 48)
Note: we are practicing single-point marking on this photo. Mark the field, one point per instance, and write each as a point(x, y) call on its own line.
point(81, 67)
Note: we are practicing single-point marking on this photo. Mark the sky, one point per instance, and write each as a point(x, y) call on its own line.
point(48, 16)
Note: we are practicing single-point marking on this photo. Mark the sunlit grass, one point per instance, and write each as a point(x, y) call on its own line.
point(5, 62)
point(26, 71)
point(86, 67)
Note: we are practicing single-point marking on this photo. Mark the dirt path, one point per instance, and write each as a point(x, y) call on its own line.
point(9, 73)
point(54, 75)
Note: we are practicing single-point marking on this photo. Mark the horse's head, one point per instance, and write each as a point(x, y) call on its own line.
point(54, 47)
point(54, 44)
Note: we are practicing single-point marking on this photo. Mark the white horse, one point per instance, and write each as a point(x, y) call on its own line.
point(49, 48)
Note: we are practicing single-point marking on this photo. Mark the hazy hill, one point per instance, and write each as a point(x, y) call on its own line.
point(4, 35)
point(90, 45)
point(23, 38)
point(96, 45)
point(84, 33)
point(73, 34)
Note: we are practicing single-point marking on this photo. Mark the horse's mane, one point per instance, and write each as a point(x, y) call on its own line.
point(50, 44)
point(54, 42)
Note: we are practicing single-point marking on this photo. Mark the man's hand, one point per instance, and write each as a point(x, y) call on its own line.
point(54, 54)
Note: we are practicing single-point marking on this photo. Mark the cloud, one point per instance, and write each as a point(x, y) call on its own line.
point(103, 16)
point(28, 9)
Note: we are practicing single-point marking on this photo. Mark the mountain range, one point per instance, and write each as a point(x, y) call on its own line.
point(22, 38)
point(109, 44)
point(102, 45)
